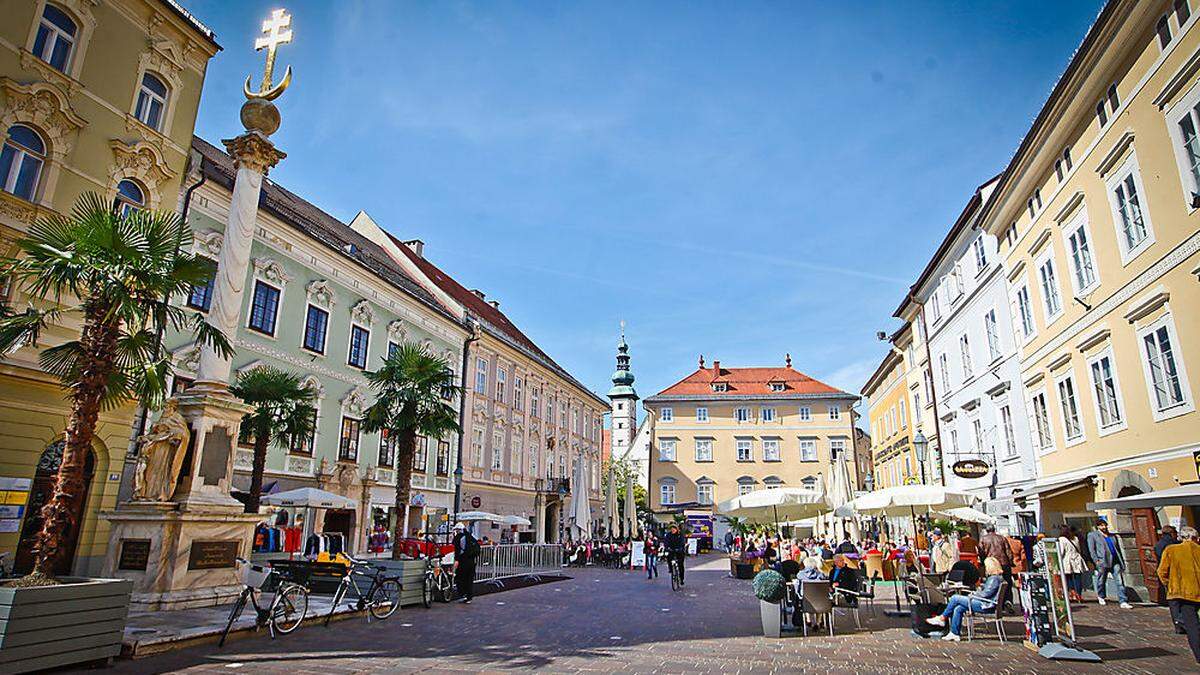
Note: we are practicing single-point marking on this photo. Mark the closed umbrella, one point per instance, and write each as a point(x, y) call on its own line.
point(581, 511)
point(630, 508)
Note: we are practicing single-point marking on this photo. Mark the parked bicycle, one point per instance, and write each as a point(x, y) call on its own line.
point(381, 598)
point(282, 613)
point(438, 583)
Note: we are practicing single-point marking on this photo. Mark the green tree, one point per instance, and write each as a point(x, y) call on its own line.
point(623, 469)
point(116, 271)
point(413, 393)
point(283, 413)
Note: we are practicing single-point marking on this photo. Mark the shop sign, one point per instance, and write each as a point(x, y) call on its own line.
point(417, 499)
point(971, 468)
point(476, 502)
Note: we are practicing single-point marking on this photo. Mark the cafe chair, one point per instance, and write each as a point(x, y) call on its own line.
point(816, 600)
point(995, 615)
point(866, 593)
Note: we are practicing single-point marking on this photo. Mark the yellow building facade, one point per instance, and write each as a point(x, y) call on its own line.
point(892, 453)
point(1098, 227)
point(98, 97)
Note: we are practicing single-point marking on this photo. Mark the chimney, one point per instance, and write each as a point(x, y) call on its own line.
point(716, 367)
point(701, 362)
point(417, 246)
point(495, 304)
point(479, 293)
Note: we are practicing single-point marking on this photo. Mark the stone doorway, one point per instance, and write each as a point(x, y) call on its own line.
point(44, 479)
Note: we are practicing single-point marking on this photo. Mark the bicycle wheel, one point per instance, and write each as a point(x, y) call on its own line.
point(674, 576)
point(288, 609)
point(447, 585)
point(427, 592)
point(386, 599)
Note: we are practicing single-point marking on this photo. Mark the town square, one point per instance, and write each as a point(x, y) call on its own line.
point(378, 336)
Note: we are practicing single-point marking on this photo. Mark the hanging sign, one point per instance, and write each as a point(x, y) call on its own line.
point(971, 468)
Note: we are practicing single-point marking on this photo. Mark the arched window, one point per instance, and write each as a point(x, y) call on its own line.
point(809, 482)
point(129, 197)
point(151, 101)
point(746, 484)
point(773, 482)
point(55, 39)
point(21, 161)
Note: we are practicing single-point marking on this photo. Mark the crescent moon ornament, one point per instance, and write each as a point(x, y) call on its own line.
point(272, 93)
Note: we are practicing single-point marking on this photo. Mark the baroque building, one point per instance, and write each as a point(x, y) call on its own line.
point(94, 97)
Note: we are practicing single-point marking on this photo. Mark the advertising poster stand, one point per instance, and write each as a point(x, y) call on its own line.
point(1048, 623)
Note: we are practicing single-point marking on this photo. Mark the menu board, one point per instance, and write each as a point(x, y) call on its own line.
point(637, 554)
point(212, 555)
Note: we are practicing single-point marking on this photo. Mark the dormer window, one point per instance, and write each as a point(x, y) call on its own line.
point(720, 386)
point(777, 386)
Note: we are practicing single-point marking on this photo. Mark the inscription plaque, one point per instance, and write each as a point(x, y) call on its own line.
point(213, 555)
point(135, 555)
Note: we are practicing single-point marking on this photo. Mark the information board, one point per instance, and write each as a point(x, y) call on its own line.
point(1060, 606)
point(637, 555)
point(212, 555)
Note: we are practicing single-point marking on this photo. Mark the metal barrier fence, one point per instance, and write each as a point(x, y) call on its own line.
point(502, 561)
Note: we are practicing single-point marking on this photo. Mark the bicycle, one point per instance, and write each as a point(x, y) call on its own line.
point(282, 615)
point(382, 597)
point(438, 582)
point(675, 563)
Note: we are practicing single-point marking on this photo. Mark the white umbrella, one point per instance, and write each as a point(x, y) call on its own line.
point(630, 508)
point(774, 505)
point(900, 500)
point(581, 510)
point(516, 520)
point(309, 497)
point(472, 516)
point(969, 514)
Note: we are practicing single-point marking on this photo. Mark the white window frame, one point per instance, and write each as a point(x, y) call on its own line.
point(741, 414)
point(944, 366)
point(977, 434)
point(745, 488)
point(704, 493)
point(1123, 424)
point(1025, 320)
point(746, 444)
point(835, 412)
point(497, 451)
point(1166, 321)
point(1080, 435)
point(704, 450)
point(666, 493)
point(666, 415)
point(666, 449)
point(702, 414)
point(805, 413)
point(767, 414)
point(1047, 283)
point(501, 383)
point(141, 111)
point(1129, 168)
point(809, 443)
point(770, 450)
point(1043, 443)
point(1078, 224)
point(481, 368)
point(1004, 420)
point(1185, 107)
point(991, 328)
point(964, 349)
point(979, 247)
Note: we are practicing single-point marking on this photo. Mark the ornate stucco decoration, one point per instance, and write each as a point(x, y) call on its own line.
point(362, 313)
point(271, 270)
point(313, 382)
point(143, 162)
point(44, 107)
point(208, 243)
point(355, 402)
point(254, 151)
point(187, 359)
point(396, 331)
point(319, 293)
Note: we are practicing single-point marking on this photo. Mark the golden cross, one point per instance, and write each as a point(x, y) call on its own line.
point(276, 31)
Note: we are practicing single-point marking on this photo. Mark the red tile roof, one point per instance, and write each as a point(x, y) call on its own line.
point(742, 382)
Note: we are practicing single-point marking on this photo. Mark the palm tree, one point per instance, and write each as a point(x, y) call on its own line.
point(413, 389)
point(283, 413)
point(117, 271)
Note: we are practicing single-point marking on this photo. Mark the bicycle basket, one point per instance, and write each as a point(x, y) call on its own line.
point(252, 575)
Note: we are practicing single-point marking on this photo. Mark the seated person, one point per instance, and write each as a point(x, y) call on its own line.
point(812, 570)
point(845, 578)
point(983, 600)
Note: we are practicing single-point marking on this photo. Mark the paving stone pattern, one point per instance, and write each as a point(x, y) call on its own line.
point(618, 622)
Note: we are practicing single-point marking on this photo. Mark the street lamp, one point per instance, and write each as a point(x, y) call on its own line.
point(458, 475)
point(921, 445)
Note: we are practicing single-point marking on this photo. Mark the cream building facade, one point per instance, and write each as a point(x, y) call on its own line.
point(100, 97)
point(888, 414)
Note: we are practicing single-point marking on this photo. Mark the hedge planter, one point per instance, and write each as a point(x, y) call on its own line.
point(772, 618)
point(80, 620)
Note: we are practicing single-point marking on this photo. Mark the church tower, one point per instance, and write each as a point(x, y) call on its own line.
point(624, 402)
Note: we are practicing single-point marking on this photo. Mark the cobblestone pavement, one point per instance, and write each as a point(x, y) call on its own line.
point(617, 621)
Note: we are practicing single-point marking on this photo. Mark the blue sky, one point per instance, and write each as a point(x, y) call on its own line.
point(734, 179)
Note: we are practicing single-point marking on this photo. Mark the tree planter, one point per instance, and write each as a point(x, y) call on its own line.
point(741, 570)
point(772, 620)
point(77, 621)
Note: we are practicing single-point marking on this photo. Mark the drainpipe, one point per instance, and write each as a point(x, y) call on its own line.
point(472, 336)
point(125, 489)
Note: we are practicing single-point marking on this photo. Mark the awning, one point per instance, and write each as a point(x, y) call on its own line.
point(1183, 495)
point(1054, 489)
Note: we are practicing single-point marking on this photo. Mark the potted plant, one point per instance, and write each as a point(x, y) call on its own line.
point(770, 589)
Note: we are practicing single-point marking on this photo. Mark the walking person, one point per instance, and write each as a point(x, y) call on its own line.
point(466, 552)
point(942, 556)
point(1179, 570)
point(1105, 549)
point(1074, 567)
point(651, 549)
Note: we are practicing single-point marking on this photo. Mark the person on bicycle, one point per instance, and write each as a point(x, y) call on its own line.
point(675, 546)
point(466, 550)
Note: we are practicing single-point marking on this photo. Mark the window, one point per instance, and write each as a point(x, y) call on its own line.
point(773, 482)
point(1072, 428)
point(809, 482)
point(767, 414)
point(958, 281)
point(704, 493)
point(151, 102)
point(497, 451)
point(201, 295)
point(808, 449)
point(964, 348)
point(514, 462)
point(667, 415)
point(977, 434)
point(1101, 113)
point(351, 432)
point(21, 161)
point(316, 325)
point(745, 450)
point(903, 414)
point(534, 395)
point(1163, 28)
point(1058, 169)
point(443, 459)
point(130, 198)
point(1025, 312)
point(1041, 421)
point(1050, 297)
point(935, 305)
point(1010, 234)
point(805, 413)
point(916, 407)
point(1113, 101)
point(1133, 226)
point(720, 386)
point(477, 448)
point(770, 449)
point(666, 493)
point(993, 334)
point(701, 414)
point(944, 366)
point(1107, 393)
point(55, 39)
point(1034, 203)
point(1182, 12)
point(1006, 427)
point(481, 367)
point(835, 412)
point(301, 445)
point(1066, 158)
point(777, 386)
point(741, 414)
point(666, 450)
point(501, 383)
point(745, 488)
point(1163, 373)
point(837, 448)
point(387, 449)
point(264, 308)
point(518, 393)
point(1083, 266)
point(360, 340)
point(704, 450)
point(981, 261)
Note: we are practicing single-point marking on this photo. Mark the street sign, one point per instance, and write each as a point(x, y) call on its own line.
point(971, 468)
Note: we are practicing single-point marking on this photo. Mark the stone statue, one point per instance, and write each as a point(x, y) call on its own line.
point(160, 455)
